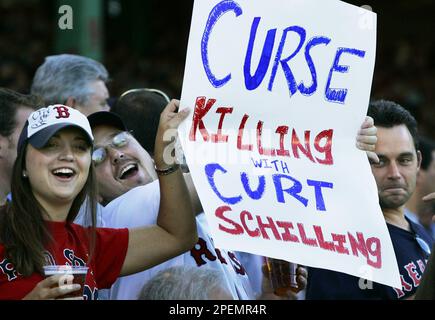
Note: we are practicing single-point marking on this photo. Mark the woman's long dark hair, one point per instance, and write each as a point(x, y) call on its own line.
point(23, 231)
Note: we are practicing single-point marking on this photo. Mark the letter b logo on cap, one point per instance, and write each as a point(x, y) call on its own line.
point(62, 112)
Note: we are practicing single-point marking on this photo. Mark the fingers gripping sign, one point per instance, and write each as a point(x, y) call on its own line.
point(171, 116)
point(366, 138)
point(170, 119)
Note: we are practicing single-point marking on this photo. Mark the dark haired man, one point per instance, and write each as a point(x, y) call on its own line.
point(395, 175)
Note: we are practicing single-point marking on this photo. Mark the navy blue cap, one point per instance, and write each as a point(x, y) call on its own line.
point(106, 118)
point(43, 123)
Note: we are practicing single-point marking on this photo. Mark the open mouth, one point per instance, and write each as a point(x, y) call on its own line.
point(128, 171)
point(64, 173)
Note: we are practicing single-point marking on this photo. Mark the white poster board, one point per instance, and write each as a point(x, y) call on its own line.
point(278, 90)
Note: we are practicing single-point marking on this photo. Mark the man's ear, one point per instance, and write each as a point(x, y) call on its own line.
point(70, 102)
point(419, 157)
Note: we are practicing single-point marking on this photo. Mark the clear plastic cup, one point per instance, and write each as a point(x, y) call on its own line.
point(70, 275)
point(282, 276)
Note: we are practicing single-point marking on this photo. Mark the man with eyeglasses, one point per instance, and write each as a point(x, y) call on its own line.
point(395, 175)
point(128, 165)
point(129, 189)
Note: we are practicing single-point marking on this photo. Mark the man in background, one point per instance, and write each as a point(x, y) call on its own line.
point(15, 108)
point(76, 81)
point(417, 210)
point(185, 282)
point(140, 111)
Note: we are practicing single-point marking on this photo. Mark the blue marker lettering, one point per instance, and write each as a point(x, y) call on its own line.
point(220, 9)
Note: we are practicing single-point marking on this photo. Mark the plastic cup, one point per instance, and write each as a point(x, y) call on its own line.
point(282, 276)
point(70, 275)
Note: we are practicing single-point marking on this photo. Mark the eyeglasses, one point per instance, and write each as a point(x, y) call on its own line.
point(423, 245)
point(157, 91)
point(118, 141)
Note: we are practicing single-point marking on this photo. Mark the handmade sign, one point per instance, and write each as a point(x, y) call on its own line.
point(278, 90)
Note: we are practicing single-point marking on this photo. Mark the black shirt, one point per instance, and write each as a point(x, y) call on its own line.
point(411, 260)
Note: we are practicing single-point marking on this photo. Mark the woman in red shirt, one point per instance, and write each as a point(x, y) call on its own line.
point(52, 176)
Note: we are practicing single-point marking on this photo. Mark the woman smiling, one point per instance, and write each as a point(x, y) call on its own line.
point(52, 176)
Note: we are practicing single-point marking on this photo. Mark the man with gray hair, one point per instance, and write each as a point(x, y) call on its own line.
point(186, 283)
point(76, 81)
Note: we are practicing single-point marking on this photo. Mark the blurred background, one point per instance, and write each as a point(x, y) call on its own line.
point(143, 44)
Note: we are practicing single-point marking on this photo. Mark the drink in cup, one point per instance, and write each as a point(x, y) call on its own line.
point(70, 275)
point(282, 276)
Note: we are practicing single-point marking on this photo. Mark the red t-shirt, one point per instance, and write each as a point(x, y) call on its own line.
point(70, 247)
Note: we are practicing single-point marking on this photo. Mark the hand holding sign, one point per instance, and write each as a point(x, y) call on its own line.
point(366, 139)
point(169, 122)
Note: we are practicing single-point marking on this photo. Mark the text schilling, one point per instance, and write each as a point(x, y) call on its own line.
point(357, 244)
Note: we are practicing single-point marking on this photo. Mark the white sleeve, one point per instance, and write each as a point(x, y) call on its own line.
point(135, 208)
point(82, 220)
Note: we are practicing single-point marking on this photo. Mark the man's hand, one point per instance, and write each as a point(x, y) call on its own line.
point(366, 139)
point(170, 119)
point(268, 292)
point(429, 197)
point(301, 278)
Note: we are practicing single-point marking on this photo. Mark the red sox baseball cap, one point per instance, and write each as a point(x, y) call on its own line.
point(45, 122)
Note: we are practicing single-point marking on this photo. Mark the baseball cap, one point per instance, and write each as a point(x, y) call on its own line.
point(45, 122)
point(106, 118)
